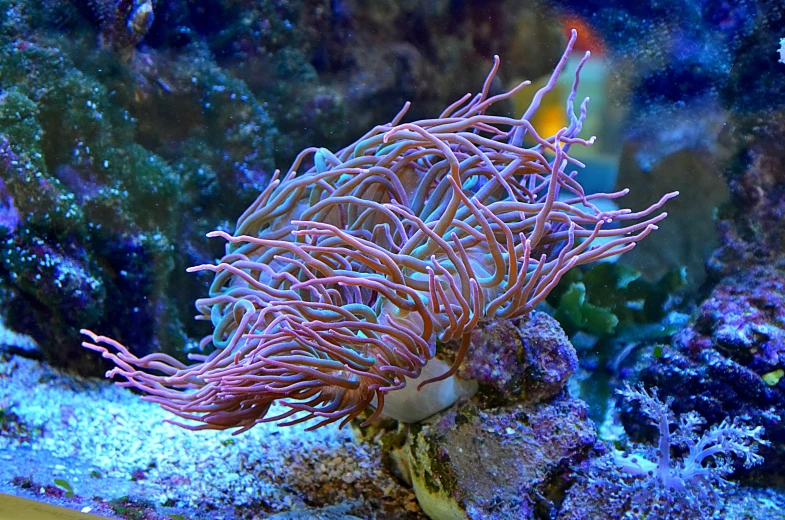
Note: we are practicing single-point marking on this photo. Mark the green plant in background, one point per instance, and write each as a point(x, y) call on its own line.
point(612, 302)
point(609, 311)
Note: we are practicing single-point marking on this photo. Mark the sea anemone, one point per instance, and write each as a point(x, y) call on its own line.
point(341, 282)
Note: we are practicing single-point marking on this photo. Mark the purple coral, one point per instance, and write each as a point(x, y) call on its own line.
point(707, 458)
point(339, 281)
point(682, 477)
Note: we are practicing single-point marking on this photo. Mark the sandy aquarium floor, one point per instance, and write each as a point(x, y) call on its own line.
point(91, 446)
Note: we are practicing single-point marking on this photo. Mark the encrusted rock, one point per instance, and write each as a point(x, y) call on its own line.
point(529, 359)
point(508, 462)
point(507, 452)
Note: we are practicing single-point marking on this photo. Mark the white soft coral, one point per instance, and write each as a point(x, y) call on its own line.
point(685, 471)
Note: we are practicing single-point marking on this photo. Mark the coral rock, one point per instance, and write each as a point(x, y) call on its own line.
point(529, 359)
point(508, 462)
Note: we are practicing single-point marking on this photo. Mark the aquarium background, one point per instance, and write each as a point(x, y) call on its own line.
point(129, 129)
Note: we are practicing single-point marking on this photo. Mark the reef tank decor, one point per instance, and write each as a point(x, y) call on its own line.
point(449, 306)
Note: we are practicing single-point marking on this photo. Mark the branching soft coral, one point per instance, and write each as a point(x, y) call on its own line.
point(339, 280)
point(684, 475)
point(707, 455)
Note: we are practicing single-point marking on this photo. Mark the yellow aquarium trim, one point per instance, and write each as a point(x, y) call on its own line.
point(17, 508)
